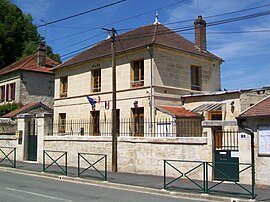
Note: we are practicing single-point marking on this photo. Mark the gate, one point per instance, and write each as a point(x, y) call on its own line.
point(226, 155)
point(32, 140)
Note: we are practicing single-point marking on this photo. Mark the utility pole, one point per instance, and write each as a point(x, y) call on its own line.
point(114, 123)
point(114, 135)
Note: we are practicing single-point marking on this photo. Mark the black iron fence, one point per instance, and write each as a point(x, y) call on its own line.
point(8, 156)
point(194, 176)
point(163, 127)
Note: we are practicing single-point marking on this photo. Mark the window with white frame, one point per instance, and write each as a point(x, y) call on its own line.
point(264, 140)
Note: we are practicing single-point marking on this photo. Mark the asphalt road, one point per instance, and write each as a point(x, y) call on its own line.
point(19, 187)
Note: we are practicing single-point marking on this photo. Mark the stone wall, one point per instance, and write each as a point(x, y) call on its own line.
point(136, 155)
point(8, 141)
point(37, 87)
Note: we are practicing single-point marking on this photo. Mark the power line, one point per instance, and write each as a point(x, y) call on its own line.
point(122, 47)
point(77, 50)
point(214, 23)
point(235, 32)
point(82, 13)
point(135, 16)
point(79, 42)
point(218, 15)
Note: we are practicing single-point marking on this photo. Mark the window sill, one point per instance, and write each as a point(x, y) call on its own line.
point(263, 155)
point(137, 84)
point(63, 95)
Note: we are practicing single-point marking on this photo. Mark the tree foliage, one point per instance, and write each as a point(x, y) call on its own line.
point(18, 36)
point(6, 108)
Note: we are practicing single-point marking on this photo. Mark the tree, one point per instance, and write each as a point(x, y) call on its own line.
point(6, 108)
point(18, 36)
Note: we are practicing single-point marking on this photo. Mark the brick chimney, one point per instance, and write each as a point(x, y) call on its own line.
point(41, 55)
point(200, 33)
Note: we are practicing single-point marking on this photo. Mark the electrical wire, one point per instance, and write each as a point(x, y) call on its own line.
point(182, 29)
point(82, 13)
point(79, 42)
point(214, 23)
point(218, 15)
point(125, 19)
point(123, 48)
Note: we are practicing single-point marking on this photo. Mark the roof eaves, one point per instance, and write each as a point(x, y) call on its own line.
point(251, 107)
point(165, 111)
point(103, 56)
point(192, 53)
point(255, 116)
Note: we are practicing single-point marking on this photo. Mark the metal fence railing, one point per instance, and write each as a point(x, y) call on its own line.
point(8, 156)
point(194, 176)
point(163, 127)
point(85, 164)
point(55, 160)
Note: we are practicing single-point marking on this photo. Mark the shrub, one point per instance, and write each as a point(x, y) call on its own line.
point(6, 108)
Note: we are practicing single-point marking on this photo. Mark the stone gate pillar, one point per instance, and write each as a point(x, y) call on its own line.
point(23, 126)
point(44, 121)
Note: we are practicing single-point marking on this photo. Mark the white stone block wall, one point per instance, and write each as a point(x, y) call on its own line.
point(136, 155)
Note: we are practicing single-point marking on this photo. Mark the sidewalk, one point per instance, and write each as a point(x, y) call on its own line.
point(149, 183)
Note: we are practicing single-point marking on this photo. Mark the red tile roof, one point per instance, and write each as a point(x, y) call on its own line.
point(25, 109)
point(29, 63)
point(178, 111)
point(260, 109)
point(156, 34)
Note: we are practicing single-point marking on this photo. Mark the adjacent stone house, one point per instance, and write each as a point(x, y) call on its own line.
point(30, 83)
point(230, 144)
point(223, 106)
point(28, 80)
point(256, 120)
point(154, 67)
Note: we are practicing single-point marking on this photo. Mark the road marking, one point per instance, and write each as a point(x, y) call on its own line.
point(37, 194)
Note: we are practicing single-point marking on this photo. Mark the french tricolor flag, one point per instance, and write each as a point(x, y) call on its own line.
point(107, 104)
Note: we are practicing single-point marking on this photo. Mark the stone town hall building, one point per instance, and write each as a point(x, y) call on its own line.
point(154, 67)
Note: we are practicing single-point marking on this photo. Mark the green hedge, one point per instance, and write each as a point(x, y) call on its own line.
point(6, 108)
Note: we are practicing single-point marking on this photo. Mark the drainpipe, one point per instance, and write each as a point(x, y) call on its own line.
point(251, 133)
point(151, 86)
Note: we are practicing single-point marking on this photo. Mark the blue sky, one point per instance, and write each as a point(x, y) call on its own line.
point(246, 54)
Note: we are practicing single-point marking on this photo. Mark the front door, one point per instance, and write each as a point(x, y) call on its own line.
point(32, 141)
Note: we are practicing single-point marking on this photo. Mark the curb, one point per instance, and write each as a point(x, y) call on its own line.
point(133, 188)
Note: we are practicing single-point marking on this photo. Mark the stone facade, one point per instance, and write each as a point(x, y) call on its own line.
point(31, 86)
point(170, 79)
point(37, 87)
